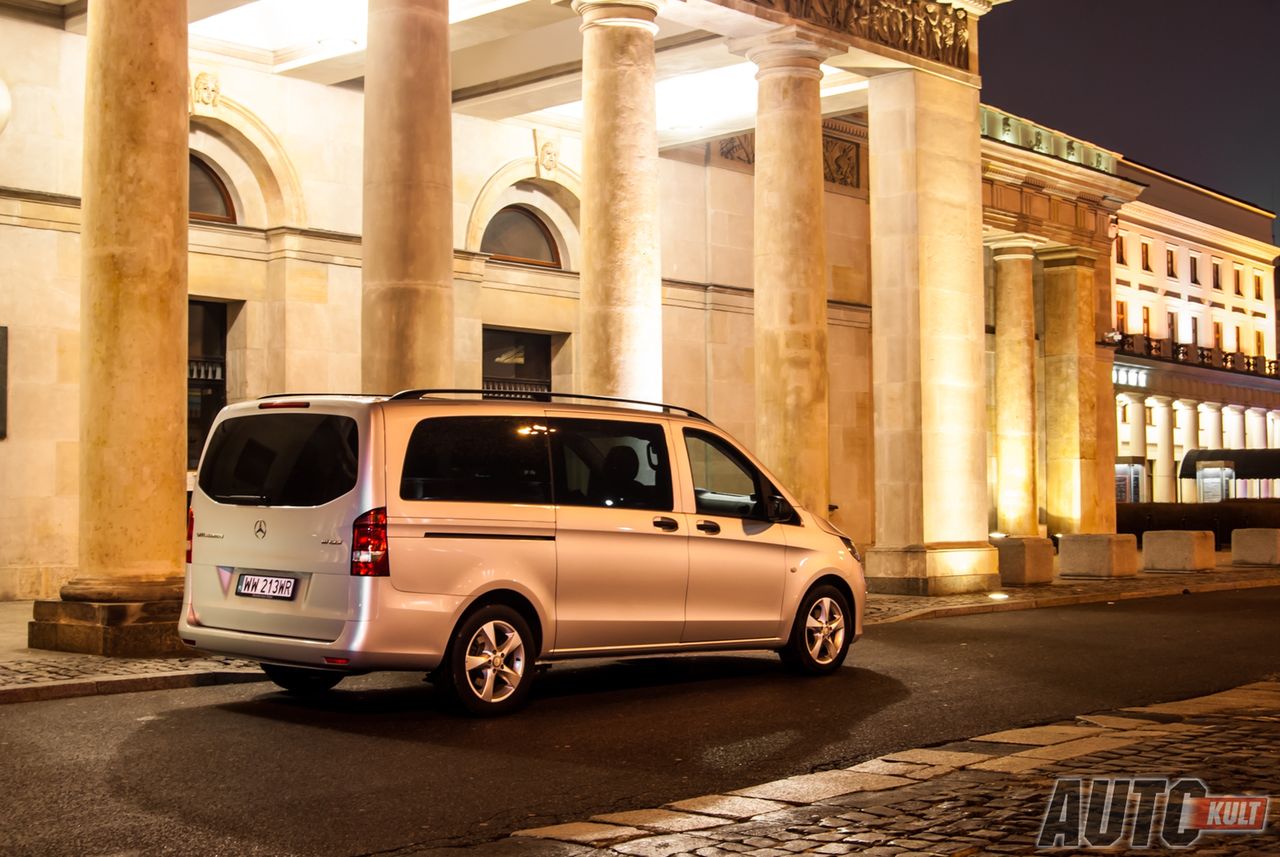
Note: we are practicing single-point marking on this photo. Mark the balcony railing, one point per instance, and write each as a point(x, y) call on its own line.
point(516, 388)
point(1194, 355)
point(206, 369)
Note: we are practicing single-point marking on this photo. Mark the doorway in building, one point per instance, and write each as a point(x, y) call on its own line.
point(206, 372)
point(1130, 480)
point(516, 364)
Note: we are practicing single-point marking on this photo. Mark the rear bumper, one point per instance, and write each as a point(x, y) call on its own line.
point(403, 631)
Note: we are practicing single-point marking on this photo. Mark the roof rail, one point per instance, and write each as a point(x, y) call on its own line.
point(545, 397)
point(314, 395)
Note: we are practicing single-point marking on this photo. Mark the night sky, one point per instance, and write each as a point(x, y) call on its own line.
point(1188, 87)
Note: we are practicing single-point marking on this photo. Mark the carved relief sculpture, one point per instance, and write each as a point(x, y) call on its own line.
point(841, 158)
point(932, 30)
point(546, 154)
point(840, 161)
point(205, 89)
point(741, 148)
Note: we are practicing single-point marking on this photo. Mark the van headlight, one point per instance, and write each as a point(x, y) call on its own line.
point(831, 528)
point(853, 549)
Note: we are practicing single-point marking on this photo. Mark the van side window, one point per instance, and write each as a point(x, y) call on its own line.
point(724, 483)
point(477, 460)
point(611, 463)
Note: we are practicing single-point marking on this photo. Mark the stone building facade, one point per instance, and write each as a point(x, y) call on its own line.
point(697, 245)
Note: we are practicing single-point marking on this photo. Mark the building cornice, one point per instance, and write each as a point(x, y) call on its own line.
point(1190, 230)
point(1015, 165)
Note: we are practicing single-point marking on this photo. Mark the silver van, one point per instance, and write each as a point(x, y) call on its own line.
point(472, 538)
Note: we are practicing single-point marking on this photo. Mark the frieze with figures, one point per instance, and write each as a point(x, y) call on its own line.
point(841, 158)
point(931, 30)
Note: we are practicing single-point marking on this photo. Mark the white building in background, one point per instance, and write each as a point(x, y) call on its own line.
point(1196, 368)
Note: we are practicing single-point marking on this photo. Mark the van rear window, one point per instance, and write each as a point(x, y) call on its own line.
point(281, 460)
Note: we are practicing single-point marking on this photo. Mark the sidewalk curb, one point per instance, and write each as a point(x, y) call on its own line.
point(1070, 600)
point(122, 684)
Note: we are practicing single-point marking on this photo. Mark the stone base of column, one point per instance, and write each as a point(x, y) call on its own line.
point(123, 618)
point(938, 569)
point(1095, 555)
point(1024, 560)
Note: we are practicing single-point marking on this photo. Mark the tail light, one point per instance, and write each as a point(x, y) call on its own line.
point(191, 528)
point(369, 545)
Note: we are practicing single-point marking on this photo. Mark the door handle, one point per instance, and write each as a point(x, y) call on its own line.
point(709, 527)
point(662, 522)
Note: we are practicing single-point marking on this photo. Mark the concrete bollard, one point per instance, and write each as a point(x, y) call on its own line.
point(1098, 555)
point(1024, 560)
point(1255, 547)
point(1178, 550)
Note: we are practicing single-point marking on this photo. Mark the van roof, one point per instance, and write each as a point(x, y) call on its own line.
point(578, 401)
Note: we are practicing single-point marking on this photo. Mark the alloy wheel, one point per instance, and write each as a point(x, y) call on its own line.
point(495, 661)
point(824, 630)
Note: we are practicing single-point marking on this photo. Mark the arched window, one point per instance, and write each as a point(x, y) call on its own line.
point(518, 235)
point(209, 198)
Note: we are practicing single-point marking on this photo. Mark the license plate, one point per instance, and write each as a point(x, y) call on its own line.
point(261, 586)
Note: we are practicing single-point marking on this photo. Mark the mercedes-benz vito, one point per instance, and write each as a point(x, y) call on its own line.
point(332, 535)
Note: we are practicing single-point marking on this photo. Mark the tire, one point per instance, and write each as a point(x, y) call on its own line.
point(302, 681)
point(821, 634)
point(490, 661)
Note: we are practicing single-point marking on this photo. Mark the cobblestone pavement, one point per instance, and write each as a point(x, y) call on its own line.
point(37, 670)
point(984, 796)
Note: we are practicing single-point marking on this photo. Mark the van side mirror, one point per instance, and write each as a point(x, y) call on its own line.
point(779, 510)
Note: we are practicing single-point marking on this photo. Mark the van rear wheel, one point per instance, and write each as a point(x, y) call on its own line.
point(491, 661)
point(301, 680)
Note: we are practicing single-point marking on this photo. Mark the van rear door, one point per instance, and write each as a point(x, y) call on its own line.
point(280, 486)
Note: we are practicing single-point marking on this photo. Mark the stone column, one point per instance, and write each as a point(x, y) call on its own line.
point(1188, 428)
point(1137, 428)
point(1025, 556)
point(929, 339)
point(133, 334)
point(1255, 428)
point(1070, 390)
point(1211, 425)
point(1274, 443)
point(1255, 437)
point(407, 302)
point(1233, 436)
point(790, 267)
point(1015, 394)
point(1164, 486)
point(621, 283)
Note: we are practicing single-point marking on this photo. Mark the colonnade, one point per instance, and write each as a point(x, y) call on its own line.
point(1073, 497)
point(926, 222)
point(1160, 430)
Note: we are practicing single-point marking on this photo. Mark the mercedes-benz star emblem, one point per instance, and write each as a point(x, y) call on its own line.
point(260, 529)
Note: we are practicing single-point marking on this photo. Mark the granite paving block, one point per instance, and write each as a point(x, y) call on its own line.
point(810, 788)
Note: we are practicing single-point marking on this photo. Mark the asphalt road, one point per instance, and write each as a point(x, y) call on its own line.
point(378, 767)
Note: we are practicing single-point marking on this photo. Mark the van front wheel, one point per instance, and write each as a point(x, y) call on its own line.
point(301, 680)
point(491, 661)
point(821, 635)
